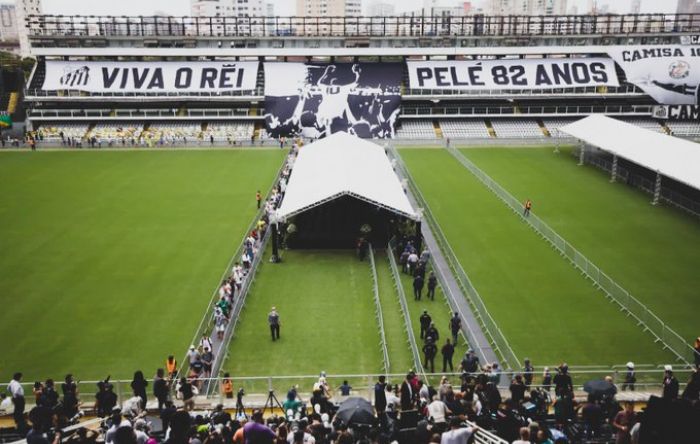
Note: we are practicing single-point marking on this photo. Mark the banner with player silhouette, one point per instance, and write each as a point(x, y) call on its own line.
point(670, 74)
point(316, 100)
point(150, 77)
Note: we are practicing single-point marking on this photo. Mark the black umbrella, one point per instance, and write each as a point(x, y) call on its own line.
point(599, 387)
point(356, 411)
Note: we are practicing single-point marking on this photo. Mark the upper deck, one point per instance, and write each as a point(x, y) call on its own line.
point(406, 36)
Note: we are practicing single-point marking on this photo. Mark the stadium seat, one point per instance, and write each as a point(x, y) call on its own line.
point(464, 129)
point(228, 131)
point(684, 128)
point(51, 132)
point(650, 124)
point(116, 132)
point(416, 129)
point(516, 128)
point(172, 132)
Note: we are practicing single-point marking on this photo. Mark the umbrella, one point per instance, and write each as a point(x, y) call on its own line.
point(356, 411)
point(599, 387)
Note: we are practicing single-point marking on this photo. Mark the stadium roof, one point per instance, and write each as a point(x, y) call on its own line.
point(672, 157)
point(343, 165)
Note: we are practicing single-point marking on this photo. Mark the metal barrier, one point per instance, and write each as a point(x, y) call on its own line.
point(378, 312)
point(525, 111)
point(496, 337)
point(667, 195)
point(628, 303)
point(413, 25)
point(417, 363)
point(205, 324)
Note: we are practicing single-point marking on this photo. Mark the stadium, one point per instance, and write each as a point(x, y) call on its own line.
point(266, 208)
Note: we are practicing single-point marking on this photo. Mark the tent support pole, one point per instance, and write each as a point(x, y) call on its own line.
point(419, 237)
point(613, 175)
point(275, 247)
point(581, 154)
point(657, 189)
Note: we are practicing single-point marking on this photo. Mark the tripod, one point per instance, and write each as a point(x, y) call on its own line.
point(271, 401)
point(240, 409)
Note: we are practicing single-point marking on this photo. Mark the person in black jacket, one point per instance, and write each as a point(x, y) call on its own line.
point(670, 384)
point(429, 350)
point(432, 331)
point(418, 283)
point(380, 396)
point(432, 285)
point(448, 350)
point(425, 321)
point(563, 385)
point(455, 326)
point(138, 385)
point(160, 389)
point(407, 393)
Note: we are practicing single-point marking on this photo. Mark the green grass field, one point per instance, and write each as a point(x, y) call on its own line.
point(546, 309)
point(650, 251)
point(327, 318)
point(109, 259)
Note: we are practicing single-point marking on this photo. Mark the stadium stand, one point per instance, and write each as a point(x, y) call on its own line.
point(553, 125)
point(416, 129)
point(464, 129)
point(226, 132)
point(520, 128)
point(116, 132)
point(172, 132)
point(650, 124)
point(58, 132)
point(684, 128)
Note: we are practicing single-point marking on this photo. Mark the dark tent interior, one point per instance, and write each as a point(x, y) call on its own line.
point(337, 224)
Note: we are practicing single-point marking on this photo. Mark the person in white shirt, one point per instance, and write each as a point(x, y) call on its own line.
point(17, 395)
point(524, 436)
point(457, 434)
point(392, 401)
point(438, 411)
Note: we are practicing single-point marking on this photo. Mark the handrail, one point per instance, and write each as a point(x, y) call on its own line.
point(497, 339)
point(378, 311)
point(202, 327)
point(404, 310)
point(413, 25)
point(613, 291)
point(238, 306)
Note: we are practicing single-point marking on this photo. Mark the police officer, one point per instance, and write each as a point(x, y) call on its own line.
point(432, 332)
point(274, 320)
point(455, 326)
point(418, 283)
point(630, 377)
point(528, 372)
point(448, 350)
point(430, 350)
point(432, 284)
point(425, 321)
point(670, 383)
point(470, 362)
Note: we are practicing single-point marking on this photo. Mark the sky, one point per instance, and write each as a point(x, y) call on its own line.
point(282, 7)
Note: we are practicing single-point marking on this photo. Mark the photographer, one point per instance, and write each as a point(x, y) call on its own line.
point(70, 396)
point(41, 424)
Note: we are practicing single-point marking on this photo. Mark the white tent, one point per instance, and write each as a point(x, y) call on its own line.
point(672, 157)
point(343, 165)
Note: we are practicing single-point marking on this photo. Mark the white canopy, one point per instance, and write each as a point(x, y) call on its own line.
point(341, 165)
point(672, 157)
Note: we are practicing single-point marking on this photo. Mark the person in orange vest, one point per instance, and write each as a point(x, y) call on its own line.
point(227, 386)
point(258, 198)
point(528, 207)
point(171, 366)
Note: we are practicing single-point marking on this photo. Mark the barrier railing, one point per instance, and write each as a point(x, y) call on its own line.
point(206, 323)
point(644, 317)
point(525, 111)
point(413, 25)
point(379, 314)
point(417, 363)
point(495, 336)
point(668, 195)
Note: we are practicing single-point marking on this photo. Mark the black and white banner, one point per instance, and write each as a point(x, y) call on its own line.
point(512, 74)
point(669, 74)
point(135, 77)
point(676, 112)
point(316, 100)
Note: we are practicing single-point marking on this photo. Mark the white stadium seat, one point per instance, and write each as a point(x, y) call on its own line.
point(51, 132)
point(228, 131)
point(464, 129)
point(516, 128)
point(416, 129)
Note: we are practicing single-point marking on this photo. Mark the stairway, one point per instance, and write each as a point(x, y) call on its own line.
point(489, 128)
point(544, 129)
point(438, 130)
point(12, 103)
